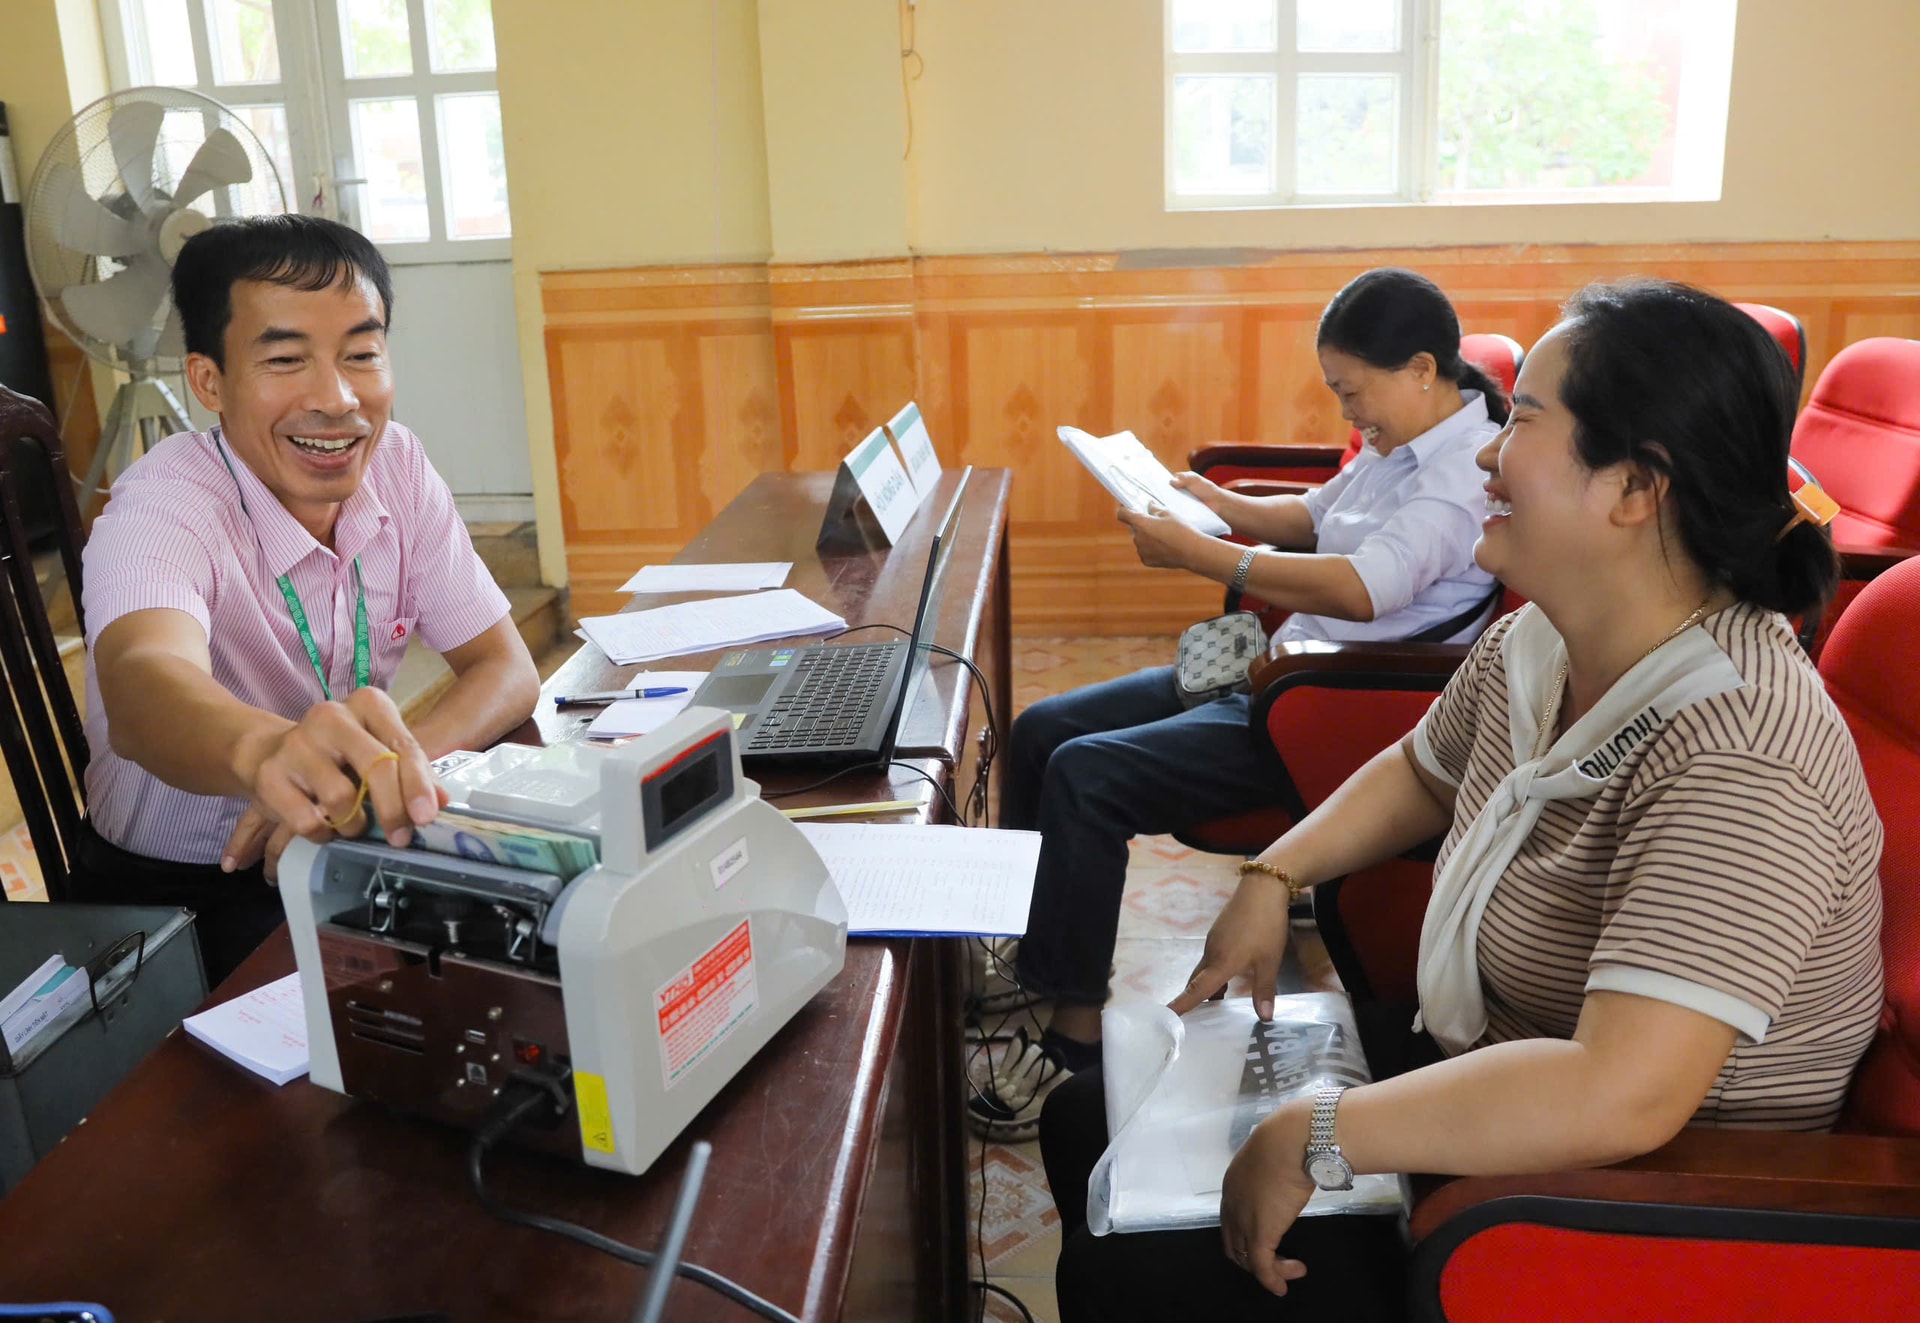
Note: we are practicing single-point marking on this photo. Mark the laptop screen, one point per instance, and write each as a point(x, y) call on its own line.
point(926, 621)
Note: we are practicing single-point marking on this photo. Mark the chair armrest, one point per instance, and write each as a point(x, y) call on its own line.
point(1861, 1175)
point(1268, 487)
point(1869, 562)
point(1357, 665)
point(1258, 454)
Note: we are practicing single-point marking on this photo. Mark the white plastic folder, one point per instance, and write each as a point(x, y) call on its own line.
point(1183, 1093)
point(1135, 477)
point(723, 622)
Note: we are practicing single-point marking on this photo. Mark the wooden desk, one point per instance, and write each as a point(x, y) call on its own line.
point(838, 1182)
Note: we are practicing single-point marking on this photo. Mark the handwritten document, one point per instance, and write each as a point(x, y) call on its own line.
point(913, 880)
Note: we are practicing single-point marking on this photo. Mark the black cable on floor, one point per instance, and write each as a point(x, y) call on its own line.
point(508, 1117)
point(1001, 1291)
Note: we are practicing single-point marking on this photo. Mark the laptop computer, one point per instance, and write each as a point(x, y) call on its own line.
point(834, 702)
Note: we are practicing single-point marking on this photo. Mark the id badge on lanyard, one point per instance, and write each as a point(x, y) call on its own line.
point(362, 636)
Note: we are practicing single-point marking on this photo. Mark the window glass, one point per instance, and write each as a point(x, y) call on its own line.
point(476, 166)
point(241, 37)
point(460, 35)
point(1347, 134)
point(377, 42)
point(1223, 133)
point(386, 140)
point(169, 44)
point(1347, 25)
point(1225, 25)
point(269, 124)
point(1589, 100)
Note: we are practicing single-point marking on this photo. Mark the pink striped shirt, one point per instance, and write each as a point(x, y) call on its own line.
point(174, 535)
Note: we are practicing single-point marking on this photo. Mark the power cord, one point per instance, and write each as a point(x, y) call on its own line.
point(998, 1033)
point(939, 789)
point(979, 798)
point(519, 1101)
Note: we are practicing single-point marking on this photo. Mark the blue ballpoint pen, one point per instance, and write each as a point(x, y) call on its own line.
point(614, 696)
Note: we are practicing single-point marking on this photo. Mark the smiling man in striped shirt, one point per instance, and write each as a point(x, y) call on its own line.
point(251, 590)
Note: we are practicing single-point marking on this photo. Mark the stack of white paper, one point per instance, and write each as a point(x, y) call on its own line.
point(265, 1031)
point(940, 881)
point(745, 577)
point(643, 716)
point(724, 622)
point(1136, 478)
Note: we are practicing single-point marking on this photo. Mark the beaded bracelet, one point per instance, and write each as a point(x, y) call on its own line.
point(1294, 889)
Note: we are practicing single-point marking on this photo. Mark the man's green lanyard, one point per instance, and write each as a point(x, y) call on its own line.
point(362, 636)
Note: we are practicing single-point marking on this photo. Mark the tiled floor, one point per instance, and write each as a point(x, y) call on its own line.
point(1171, 896)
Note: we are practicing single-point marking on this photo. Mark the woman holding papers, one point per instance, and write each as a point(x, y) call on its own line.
point(1383, 551)
point(1658, 901)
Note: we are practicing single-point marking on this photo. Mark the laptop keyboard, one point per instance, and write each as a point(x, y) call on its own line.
point(829, 701)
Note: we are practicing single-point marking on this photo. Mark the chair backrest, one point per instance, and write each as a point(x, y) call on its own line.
point(1785, 328)
point(1868, 667)
point(1860, 432)
point(41, 735)
point(1499, 356)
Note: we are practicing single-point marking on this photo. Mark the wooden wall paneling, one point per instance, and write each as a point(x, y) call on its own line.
point(1016, 380)
point(741, 399)
point(838, 381)
point(1292, 401)
point(734, 369)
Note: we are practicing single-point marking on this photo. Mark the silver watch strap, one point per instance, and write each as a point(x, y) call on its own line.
point(1240, 573)
point(1320, 1125)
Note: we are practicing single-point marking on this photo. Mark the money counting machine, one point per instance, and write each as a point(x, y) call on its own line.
point(623, 927)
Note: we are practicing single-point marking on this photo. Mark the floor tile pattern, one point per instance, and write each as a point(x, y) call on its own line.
point(1171, 896)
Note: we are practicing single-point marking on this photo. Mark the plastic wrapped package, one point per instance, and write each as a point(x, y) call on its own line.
point(1184, 1093)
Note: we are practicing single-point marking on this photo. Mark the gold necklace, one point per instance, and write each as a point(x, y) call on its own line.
point(1552, 710)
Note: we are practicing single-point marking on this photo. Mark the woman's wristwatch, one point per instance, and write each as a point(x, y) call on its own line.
point(1239, 584)
point(1326, 1166)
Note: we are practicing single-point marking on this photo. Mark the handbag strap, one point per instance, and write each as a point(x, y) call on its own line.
point(1447, 628)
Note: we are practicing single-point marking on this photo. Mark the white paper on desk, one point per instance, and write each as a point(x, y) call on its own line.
point(745, 577)
point(943, 881)
point(265, 1030)
point(643, 716)
point(724, 622)
point(1135, 477)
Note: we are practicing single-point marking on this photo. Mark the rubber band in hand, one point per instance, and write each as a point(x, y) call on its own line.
point(360, 799)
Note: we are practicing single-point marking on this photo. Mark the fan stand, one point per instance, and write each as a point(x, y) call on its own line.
point(144, 412)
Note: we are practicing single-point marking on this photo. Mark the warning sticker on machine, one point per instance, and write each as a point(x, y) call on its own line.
point(698, 1008)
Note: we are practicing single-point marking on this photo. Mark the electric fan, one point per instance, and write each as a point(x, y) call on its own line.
point(120, 188)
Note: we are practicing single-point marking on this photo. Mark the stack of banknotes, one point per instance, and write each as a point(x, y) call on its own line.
point(536, 849)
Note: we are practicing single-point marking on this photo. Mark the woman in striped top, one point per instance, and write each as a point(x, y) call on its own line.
point(1657, 903)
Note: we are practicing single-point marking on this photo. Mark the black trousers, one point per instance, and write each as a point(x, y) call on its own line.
point(1356, 1266)
point(233, 912)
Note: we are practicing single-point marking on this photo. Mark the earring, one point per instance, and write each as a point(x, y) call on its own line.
point(1428, 386)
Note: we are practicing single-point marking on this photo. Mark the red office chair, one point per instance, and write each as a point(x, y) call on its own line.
point(1860, 433)
point(1787, 329)
point(1738, 1224)
point(1224, 462)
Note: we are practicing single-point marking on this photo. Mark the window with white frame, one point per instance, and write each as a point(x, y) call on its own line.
point(1303, 102)
point(387, 114)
